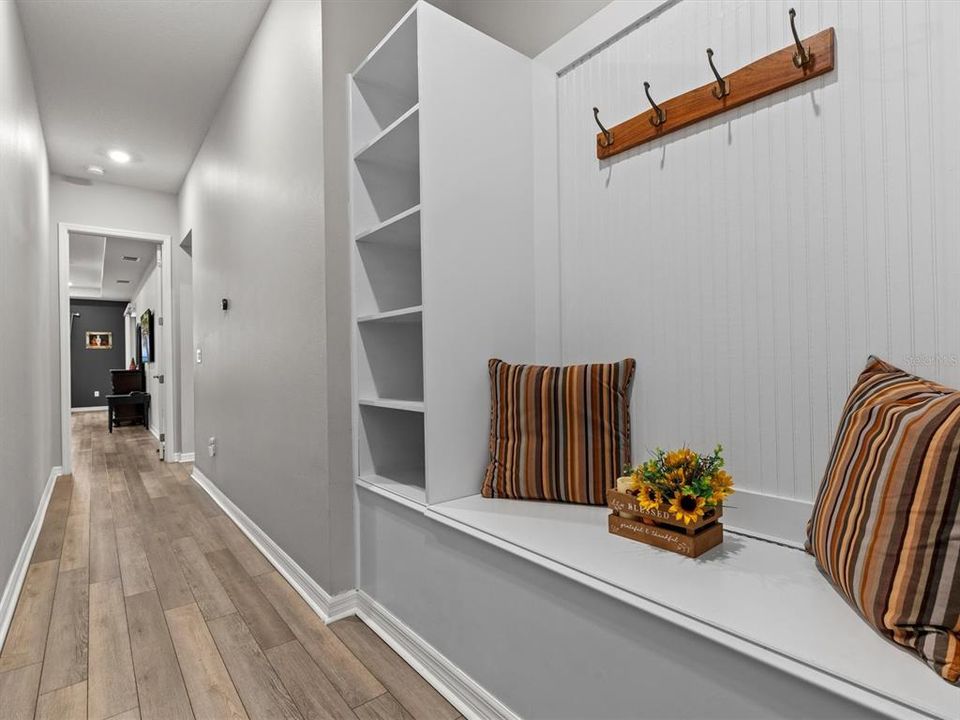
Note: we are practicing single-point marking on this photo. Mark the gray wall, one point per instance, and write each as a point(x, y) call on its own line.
point(254, 201)
point(29, 364)
point(183, 290)
point(90, 369)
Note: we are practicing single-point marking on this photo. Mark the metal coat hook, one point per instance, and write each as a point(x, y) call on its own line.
point(723, 87)
point(661, 113)
point(606, 133)
point(802, 56)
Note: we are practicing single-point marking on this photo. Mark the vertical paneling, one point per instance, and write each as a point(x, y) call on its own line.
point(752, 262)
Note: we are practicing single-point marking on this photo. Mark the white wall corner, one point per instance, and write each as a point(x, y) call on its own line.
point(11, 592)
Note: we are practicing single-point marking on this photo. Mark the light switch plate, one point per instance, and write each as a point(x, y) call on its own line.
point(96, 393)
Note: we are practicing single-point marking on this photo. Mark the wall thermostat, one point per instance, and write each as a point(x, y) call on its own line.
point(224, 303)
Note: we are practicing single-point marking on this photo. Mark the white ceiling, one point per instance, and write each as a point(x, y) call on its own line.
point(529, 26)
point(97, 264)
point(146, 76)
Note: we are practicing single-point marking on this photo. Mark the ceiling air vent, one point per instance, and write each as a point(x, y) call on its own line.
point(130, 258)
point(123, 282)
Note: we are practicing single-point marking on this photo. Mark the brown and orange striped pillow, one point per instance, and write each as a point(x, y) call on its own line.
point(558, 433)
point(886, 523)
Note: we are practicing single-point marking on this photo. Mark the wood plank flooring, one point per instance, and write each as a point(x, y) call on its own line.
point(143, 600)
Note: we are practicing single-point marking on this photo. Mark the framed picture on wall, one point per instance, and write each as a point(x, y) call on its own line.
point(146, 337)
point(99, 341)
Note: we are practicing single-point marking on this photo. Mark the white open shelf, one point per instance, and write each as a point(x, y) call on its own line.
point(386, 179)
point(402, 315)
point(387, 278)
point(408, 486)
point(385, 84)
point(390, 358)
point(391, 448)
point(396, 146)
point(402, 230)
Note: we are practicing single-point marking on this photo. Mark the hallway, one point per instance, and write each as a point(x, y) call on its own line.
point(144, 600)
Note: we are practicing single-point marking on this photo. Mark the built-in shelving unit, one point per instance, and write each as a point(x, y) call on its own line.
point(388, 286)
point(443, 268)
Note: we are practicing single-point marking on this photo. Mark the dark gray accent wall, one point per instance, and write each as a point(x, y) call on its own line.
point(90, 369)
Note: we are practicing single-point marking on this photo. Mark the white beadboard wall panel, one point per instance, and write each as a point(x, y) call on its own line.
point(752, 262)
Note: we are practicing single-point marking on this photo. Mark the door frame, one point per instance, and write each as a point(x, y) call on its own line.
point(167, 331)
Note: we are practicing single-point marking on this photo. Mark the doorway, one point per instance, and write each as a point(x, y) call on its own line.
point(157, 361)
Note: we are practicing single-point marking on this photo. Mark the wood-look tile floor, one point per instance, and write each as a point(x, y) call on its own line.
point(143, 600)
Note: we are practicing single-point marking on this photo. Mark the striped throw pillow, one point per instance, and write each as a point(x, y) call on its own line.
point(886, 523)
point(558, 433)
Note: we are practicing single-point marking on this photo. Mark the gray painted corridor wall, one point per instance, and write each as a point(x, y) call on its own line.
point(254, 201)
point(29, 363)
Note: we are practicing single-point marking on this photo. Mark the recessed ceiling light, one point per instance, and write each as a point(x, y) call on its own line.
point(94, 169)
point(130, 258)
point(123, 282)
point(119, 156)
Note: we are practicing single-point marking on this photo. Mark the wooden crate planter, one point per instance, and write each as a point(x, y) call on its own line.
point(659, 528)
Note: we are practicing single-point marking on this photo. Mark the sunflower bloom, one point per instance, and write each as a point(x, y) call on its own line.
point(682, 458)
point(649, 497)
point(676, 478)
point(688, 508)
point(722, 485)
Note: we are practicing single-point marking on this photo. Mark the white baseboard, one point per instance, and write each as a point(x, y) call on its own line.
point(329, 607)
point(184, 457)
point(8, 601)
point(102, 408)
point(155, 433)
point(463, 692)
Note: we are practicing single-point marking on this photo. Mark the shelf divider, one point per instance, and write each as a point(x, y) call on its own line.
point(401, 315)
point(415, 406)
point(392, 227)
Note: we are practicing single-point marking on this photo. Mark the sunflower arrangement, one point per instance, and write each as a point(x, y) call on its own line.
point(688, 483)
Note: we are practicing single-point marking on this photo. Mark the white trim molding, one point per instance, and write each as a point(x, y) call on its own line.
point(184, 457)
point(463, 692)
point(166, 335)
point(99, 408)
point(328, 607)
point(11, 592)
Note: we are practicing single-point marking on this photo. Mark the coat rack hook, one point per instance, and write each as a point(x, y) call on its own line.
point(661, 114)
point(608, 136)
point(802, 56)
point(723, 87)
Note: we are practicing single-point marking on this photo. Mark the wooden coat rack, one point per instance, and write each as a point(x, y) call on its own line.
point(794, 64)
